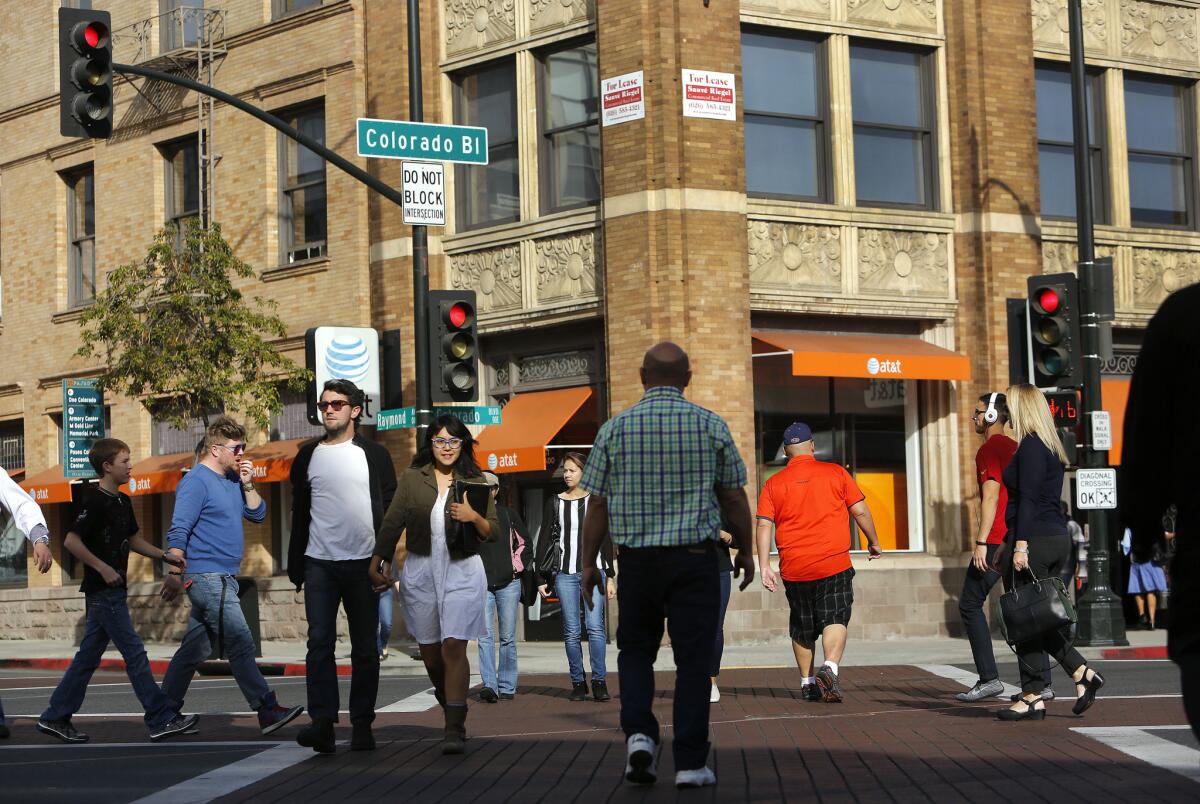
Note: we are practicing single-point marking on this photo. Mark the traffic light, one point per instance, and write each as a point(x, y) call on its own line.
point(85, 76)
point(1054, 329)
point(453, 350)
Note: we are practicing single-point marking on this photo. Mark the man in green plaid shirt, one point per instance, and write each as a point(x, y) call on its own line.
point(663, 475)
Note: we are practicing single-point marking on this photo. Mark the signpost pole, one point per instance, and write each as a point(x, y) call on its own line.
point(420, 238)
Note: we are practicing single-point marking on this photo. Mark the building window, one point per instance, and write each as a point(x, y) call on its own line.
point(786, 140)
point(1160, 151)
point(182, 185)
point(167, 439)
point(1056, 143)
point(183, 23)
point(81, 234)
point(489, 194)
point(570, 141)
point(292, 420)
point(283, 7)
point(302, 203)
point(12, 445)
point(82, 5)
point(892, 96)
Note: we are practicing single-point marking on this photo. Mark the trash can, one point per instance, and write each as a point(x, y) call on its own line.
point(248, 598)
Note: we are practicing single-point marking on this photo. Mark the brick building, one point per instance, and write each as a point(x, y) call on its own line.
point(837, 245)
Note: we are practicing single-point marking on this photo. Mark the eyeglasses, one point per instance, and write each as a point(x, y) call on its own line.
point(443, 443)
point(236, 449)
point(336, 404)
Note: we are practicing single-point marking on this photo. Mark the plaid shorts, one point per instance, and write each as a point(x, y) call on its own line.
point(816, 604)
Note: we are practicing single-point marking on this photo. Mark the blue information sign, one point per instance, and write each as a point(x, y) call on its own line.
point(83, 424)
point(400, 139)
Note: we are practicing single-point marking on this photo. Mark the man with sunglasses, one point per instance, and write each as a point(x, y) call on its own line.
point(206, 528)
point(341, 486)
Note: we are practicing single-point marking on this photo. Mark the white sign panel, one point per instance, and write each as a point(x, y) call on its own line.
point(708, 94)
point(1101, 430)
point(424, 191)
point(622, 99)
point(348, 353)
point(1096, 488)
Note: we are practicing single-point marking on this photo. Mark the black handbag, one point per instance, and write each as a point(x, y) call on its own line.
point(1029, 612)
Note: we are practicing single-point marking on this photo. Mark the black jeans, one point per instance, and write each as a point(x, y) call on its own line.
point(976, 587)
point(326, 583)
point(1047, 555)
point(683, 584)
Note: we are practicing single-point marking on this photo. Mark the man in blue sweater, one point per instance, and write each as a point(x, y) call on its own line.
point(206, 528)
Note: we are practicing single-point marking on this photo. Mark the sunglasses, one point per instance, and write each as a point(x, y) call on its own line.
point(236, 449)
point(335, 404)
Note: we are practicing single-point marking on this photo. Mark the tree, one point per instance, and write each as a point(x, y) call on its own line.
point(174, 331)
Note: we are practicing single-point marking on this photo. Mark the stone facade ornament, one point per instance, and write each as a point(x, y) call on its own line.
point(545, 14)
point(904, 263)
point(921, 15)
point(1050, 26)
point(556, 367)
point(800, 8)
point(474, 24)
point(494, 275)
point(1158, 31)
point(795, 255)
point(566, 267)
point(1158, 273)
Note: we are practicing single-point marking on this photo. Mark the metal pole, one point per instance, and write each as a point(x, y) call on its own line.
point(1101, 618)
point(420, 238)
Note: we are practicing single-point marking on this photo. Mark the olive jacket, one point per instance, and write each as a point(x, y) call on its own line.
point(416, 492)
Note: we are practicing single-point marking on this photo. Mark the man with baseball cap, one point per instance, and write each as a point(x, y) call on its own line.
point(805, 505)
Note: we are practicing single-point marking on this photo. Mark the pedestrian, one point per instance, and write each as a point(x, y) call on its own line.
point(101, 537)
point(341, 485)
point(18, 509)
point(661, 476)
point(806, 506)
point(206, 530)
point(1147, 582)
point(725, 576)
point(560, 568)
point(991, 421)
point(1038, 530)
point(443, 585)
point(506, 559)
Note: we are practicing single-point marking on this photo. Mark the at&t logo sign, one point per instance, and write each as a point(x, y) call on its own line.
point(876, 366)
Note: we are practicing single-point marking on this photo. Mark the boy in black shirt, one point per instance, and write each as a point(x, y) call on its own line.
point(101, 537)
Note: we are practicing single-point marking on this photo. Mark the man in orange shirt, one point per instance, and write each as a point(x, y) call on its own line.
point(806, 505)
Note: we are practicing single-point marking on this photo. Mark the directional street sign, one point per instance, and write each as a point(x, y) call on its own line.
point(400, 139)
point(83, 424)
point(395, 419)
point(1096, 488)
point(399, 418)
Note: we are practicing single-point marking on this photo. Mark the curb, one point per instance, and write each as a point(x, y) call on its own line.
point(212, 667)
point(1152, 652)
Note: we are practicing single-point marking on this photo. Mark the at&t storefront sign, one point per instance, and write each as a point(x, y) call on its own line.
point(347, 353)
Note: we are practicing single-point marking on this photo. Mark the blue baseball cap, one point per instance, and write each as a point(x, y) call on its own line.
point(797, 433)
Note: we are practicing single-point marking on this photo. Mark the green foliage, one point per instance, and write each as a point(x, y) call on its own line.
point(176, 332)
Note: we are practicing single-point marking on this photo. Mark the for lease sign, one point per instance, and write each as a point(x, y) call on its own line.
point(709, 94)
point(622, 99)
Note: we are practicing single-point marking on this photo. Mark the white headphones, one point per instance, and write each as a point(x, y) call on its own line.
point(991, 415)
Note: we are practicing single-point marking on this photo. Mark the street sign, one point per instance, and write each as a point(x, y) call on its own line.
point(396, 419)
point(424, 191)
point(400, 418)
point(343, 353)
point(83, 425)
point(401, 139)
point(1101, 430)
point(1096, 488)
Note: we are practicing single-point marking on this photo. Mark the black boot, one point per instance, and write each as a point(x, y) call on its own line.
point(318, 736)
point(600, 691)
point(455, 739)
point(362, 739)
point(579, 691)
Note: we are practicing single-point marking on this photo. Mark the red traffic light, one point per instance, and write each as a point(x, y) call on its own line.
point(458, 315)
point(1049, 300)
point(90, 35)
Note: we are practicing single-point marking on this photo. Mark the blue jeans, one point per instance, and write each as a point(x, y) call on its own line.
point(108, 619)
point(566, 586)
point(386, 599)
point(216, 616)
point(504, 601)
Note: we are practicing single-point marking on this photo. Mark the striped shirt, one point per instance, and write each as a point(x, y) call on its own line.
point(657, 466)
point(570, 518)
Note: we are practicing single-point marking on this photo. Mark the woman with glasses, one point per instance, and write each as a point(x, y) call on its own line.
point(443, 586)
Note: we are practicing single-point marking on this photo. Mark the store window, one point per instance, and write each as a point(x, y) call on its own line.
point(570, 127)
point(1056, 142)
point(868, 426)
point(785, 126)
point(1160, 151)
point(487, 195)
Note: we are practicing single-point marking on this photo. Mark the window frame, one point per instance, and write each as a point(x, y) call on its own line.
point(75, 268)
point(545, 151)
point(170, 150)
point(288, 248)
point(928, 82)
point(824, 136)
point(1100, 184)
point(167, 29)
point(1188, 112)
point(279, 8)
point(458, 105)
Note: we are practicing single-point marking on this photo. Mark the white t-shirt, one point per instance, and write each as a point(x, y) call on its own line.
point(342, 527)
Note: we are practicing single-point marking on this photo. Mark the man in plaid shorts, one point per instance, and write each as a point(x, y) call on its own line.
point(805, 505)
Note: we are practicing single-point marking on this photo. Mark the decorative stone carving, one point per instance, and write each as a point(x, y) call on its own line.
point(1050, 24)
point(1158, 273)
point(566, 267)
point(904, 263)
point(545, 14)
point(920, 15)
point(494, 275)
point(1060, 258)
point(561, 366)
point(799, 8)
point(473, 24)
point(1158, 31)
point(793, 255)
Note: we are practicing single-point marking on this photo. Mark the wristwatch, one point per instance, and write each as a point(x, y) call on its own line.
point(247, 487)
point(981, 544)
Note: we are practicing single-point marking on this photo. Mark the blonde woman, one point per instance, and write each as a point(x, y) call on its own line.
point(1037, 525)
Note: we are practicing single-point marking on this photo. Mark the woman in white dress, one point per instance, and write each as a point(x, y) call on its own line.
point(443, 586)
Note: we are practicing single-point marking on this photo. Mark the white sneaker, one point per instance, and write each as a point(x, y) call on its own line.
point(700, 777)
point(640, 764)
point(715, 695)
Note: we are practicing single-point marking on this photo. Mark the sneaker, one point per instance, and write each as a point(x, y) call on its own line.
point(1047, 695)
point(63, 730)
point(4, 732)
point(272, 716)
point(981, 690)
point(579, 691)
point(383, 655)
point(362, 738)
point(714, 695)
point(809, 692)
point(600, 691)
point(180, 724)
point(827, 682)
point(506, 696)
point(318, 736)
point(640, 764)
point(488, 695)
point(700, 777)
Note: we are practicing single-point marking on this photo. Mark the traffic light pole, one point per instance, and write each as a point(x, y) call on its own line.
point(1101, 618)
point(420, 239)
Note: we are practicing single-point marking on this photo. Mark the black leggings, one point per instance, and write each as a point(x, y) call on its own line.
point(1047, 556)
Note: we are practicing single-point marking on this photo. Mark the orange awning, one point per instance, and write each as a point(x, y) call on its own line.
point(1114, 397)
point(158, 474)
point(16, 472)
point(528, 423)
point(273, 460)
point(48, 486)
point(874, 357)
